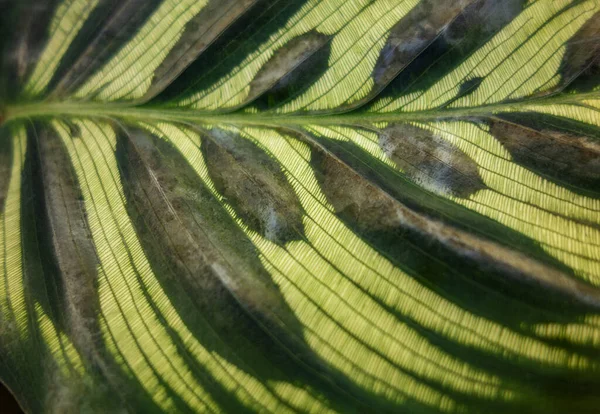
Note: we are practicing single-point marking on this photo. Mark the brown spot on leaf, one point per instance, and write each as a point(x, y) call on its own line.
point(200, 254)
point(566, 157)
point(254, 185)
point(352, 199)
point(285, 60)
point(583, 51)
point(71, 240)
point(368, 209)
point(480, 20)
point(414, 33)
point(431, 161)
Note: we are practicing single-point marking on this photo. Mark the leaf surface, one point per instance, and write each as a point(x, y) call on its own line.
point(300, 206)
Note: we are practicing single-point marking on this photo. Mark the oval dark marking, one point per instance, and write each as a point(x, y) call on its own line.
point(370, 211)
point(231, 47)
point(413, 33)
point(290, 66)
point(471, 28)
point(212, 272)
point(254, 184)
point(202, 30)
point(109, 27)
point(431, 161)
point(566, 157)
point(581, 61)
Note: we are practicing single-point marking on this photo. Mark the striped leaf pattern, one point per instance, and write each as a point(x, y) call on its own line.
point(345, 206)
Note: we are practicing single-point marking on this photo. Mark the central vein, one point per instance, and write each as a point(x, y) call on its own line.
point(147, 112)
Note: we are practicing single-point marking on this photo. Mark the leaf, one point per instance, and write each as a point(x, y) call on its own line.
point(300, 206)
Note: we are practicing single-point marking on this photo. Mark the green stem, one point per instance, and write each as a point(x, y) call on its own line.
point(149, 113)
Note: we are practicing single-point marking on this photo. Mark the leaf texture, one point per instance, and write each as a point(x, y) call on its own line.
point(300, 206)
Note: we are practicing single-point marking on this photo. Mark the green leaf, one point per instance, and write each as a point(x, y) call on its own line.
point(300, 206)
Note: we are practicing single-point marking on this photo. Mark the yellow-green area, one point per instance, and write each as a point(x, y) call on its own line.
point(359, 29)
point(12, 293)
point(128, 74)
point(130, 320)
point(522, 59)
point(346, 295)
point(332, 277)
point(66, 23)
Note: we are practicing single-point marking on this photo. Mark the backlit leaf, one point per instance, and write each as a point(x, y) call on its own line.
point(300, 206)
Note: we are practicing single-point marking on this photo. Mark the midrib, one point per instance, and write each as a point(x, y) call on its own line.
point(150, 113)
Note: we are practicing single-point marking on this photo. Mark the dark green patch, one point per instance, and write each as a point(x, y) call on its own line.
point(403, 189)
point(24, 29)
point(254, 185)
point(66, 237)
point(581, 62)
point(429, 160)
point(466, 88)
point(291, 70)
point(5, 163)
point(74, 129)
point(43, 274)
point(470, 30)
point(203, 29)
point(108, 28)
point(411, 241)
point(564, 157)
point(413, 34)
point(230, 49)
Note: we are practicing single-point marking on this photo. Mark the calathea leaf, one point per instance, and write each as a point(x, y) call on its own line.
point(300, 206)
